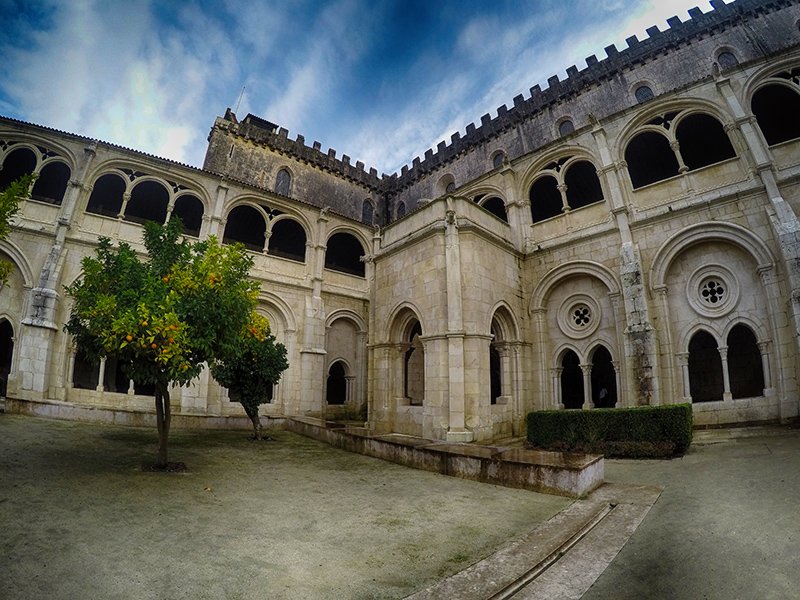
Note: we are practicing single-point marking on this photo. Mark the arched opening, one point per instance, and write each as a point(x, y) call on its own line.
point(337, 384)
point(495, 374)
point(52, 183)
point(705, 368)
point(344, 254)
point(727, 60)
point(6, 354)
point(86, 371)
point(190, 211)
point(650, 159)
point(414, 367)
point(643, 93)
point(21, 161)
point(497, 207)
point(497, 159)
point(545, 199)
point(571, 381)
point(703, 141)
point(367, 212)
point(583, 185)
point(287, 240)
point(283, 182)
point(246, 225)
point(604, 379)
point(777, 110)
point(115, 377)
point(565, 127)
point(149, 201)
point(745, 368)
point(106, 198)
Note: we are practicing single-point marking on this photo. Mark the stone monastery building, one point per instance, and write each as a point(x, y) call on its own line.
point(627, 236)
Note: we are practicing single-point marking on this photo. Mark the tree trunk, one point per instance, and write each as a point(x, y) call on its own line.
point(252, 412)
point(163, 414)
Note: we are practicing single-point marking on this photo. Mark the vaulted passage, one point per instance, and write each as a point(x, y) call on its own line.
point(703, 141)
point(246, 225)
point(344, 254)
point(545, 199)
point(149, 201)
point(650, 159)
point(777, 110)
point(705, 368)
point(18, 163)
point(583, 185)
point(52, 183)
point(189, 210)
point(287, 240)
point(496, 206)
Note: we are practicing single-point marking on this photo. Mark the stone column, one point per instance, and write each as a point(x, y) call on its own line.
point(102, 375)
point(586, 369)
point(555, 375)
point(617, 381)
point(763, 348)
point(683, 361)
point(726, 379)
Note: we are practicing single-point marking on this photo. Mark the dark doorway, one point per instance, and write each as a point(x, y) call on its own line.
point(337, 384)
point(744, 363)
point(705, 368)
point(6, 353)
point(571, 381)
point(604, 379)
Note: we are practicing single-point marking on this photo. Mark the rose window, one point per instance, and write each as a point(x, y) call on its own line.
point(712, 292)
point(581, 315)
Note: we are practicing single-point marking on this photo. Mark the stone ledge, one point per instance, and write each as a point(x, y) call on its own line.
point(564, 474)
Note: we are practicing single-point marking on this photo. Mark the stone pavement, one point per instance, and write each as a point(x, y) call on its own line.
point(725, 526)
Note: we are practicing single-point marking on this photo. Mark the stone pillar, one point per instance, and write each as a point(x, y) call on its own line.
point(683, 361)
point(555, 376)
point(457, 431)
point(102, 375)
point(217, 220)
point(586, 369)
point(763, 348)
point(617, 381)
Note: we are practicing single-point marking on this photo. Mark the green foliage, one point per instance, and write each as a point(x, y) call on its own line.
point(643, 431)
point(253, 366)
point(163, 318)
point(9, 205)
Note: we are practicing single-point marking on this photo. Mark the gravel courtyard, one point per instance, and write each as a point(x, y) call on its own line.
point(289, 518)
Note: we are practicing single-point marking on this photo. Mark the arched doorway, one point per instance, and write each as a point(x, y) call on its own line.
point(571, 380)
point(6, 353)
point(337, 384)
point(604, 379)
point(745, 368)
point(705, 368)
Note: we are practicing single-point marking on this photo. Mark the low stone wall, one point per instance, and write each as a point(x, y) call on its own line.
point(564, 474)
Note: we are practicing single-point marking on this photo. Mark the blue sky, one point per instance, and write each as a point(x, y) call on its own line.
point(379, 80)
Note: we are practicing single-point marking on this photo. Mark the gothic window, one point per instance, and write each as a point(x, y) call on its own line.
point(336, 390)
point(744, 363)
point(497, 160)
point(705, 368)
point(650, 158)
point(727, 60)
point(703, 141)
point(401, 210)
point(565, 127)
point(571, 381)
point(21, 161)
point(287, 240)
point(190, 211)
point(283, 182)
point(344, 254)
point(106, 198)
point(604, 379)
point(6, 353)
point(545, 198)
point(451, 187)
point(496, 206)
point(367, 212)
point(245, 224)
point(777, 110)
point(583, 185)
point(643, 93)
point(52, 183)
point(148, 202)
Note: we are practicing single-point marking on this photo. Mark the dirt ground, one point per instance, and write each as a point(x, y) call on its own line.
point(291, 518)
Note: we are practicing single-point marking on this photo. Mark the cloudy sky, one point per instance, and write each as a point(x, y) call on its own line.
point(379, 80)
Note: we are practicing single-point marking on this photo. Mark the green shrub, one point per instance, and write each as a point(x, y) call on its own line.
point(640, 432)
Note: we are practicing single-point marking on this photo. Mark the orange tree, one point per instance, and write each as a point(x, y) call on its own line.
point(165, 317)
point(250, 368)
point(9, 204)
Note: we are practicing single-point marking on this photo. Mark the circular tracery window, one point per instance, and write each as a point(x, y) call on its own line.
point(713, 290)
point(579, 316)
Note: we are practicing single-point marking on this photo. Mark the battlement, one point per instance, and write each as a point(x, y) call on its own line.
point(597, 70)
point(261, 131)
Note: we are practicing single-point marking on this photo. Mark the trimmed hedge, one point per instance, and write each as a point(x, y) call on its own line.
point(639, 432)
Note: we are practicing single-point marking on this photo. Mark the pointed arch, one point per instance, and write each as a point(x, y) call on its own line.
point(16, 255)
point(571, 269)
